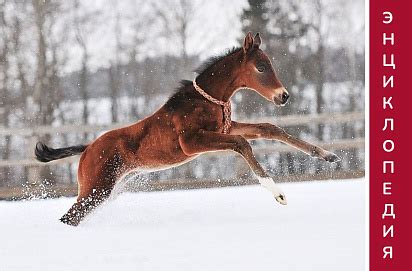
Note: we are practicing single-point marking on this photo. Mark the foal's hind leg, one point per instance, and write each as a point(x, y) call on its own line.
point(85, 205)
point(96, 182)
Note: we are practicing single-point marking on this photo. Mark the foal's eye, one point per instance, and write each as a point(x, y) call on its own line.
point(261, 68)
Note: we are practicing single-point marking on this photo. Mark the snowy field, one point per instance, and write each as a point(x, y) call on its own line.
point(238, 228)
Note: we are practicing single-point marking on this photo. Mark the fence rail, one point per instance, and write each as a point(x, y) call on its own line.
point(291, 120)
point(277, 147)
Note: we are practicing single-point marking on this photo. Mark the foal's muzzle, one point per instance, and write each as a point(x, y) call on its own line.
point(285, 97)
point(281, 96)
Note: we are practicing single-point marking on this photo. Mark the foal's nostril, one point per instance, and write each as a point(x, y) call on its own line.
point(285, 97)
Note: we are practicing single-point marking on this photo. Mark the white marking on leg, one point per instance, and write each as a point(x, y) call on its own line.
point(270, 185)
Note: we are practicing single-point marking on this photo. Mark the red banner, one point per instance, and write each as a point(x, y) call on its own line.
point(390, 120)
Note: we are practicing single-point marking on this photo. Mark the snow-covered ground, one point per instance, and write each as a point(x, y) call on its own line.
point(238, 228)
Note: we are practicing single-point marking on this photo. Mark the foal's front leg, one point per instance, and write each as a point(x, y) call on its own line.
point(206, 141)
point(271, 131)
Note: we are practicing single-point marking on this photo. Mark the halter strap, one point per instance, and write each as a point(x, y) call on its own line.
point(227, 107)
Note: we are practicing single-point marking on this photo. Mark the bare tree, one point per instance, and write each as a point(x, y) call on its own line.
point(176, 17)
point(319, 62)
point(4, 81)
point(41, 83)
point(84, 23)
point(140, 24)
point(321, 15)
point(115, 70)
point(50, 47)
point(83, 77)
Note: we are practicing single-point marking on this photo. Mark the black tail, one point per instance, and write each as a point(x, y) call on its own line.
point(46, 154)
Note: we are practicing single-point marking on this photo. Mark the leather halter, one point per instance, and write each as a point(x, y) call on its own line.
point(227, 107)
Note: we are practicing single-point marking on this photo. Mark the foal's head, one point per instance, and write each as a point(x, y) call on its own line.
point(256, 72)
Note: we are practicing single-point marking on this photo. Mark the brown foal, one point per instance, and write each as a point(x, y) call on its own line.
point(195, 120)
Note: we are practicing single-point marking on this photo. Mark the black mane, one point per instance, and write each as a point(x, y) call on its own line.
point(214, 59)
point(184, 92)
point(181, 95)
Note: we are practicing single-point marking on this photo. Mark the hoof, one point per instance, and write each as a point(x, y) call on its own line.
point(69, 221)
point(332, 158)
point(281, 199)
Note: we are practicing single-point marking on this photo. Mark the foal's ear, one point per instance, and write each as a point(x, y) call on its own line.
point(248, 42)
point(257, 41)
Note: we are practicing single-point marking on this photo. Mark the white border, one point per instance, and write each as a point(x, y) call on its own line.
point(367, 143)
